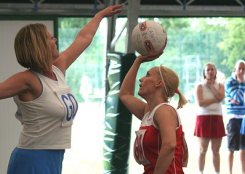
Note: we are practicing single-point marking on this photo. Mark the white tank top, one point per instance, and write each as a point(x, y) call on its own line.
point(47, 120)
point(212, 109)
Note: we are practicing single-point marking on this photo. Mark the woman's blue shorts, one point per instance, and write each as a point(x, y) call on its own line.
point(29, 161)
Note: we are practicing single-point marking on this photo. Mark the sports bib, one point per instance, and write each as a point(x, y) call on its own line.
point(69, 104)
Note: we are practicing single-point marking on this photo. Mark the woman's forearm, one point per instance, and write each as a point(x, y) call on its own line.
point(128, 83)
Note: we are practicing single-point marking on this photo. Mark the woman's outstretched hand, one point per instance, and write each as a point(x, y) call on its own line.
point(111, 10)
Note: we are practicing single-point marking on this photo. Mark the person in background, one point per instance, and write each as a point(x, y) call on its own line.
point(160, 140)
point(45, 104)
point(235, 108)
point(209, 126)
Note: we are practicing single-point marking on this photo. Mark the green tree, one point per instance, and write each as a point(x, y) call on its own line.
point(233, 44)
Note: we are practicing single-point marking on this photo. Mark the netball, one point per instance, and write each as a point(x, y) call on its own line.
point(149, 37)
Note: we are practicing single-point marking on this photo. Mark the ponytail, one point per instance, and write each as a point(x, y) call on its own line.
point(182, 99)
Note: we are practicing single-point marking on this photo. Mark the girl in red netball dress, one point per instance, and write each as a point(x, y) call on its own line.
point(159, 144)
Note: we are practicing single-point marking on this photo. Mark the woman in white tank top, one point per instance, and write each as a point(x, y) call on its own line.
point(46, 107)
point(209, 126)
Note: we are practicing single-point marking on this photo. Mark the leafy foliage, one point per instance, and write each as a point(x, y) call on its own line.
point(233, 42)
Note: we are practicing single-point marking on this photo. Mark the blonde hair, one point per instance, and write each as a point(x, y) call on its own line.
point(32, 48)
point(203, 72)
point(171, 84)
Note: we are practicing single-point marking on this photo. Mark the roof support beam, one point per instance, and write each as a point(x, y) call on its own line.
point(111, 27)
point(241, 3)
point(144, 10)
point(184, 3)
point(133, 14)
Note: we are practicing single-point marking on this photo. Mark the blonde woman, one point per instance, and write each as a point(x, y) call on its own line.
point(209, 126)
point(159, 141)
point(46, 106)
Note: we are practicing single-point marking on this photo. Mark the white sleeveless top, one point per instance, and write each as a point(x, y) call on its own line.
point(47, 120)
point(147, 120)
point(212, 109)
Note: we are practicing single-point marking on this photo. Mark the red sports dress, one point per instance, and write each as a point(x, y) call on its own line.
point(148, 143)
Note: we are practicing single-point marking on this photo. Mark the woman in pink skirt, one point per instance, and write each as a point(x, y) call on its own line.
point(209, 126)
